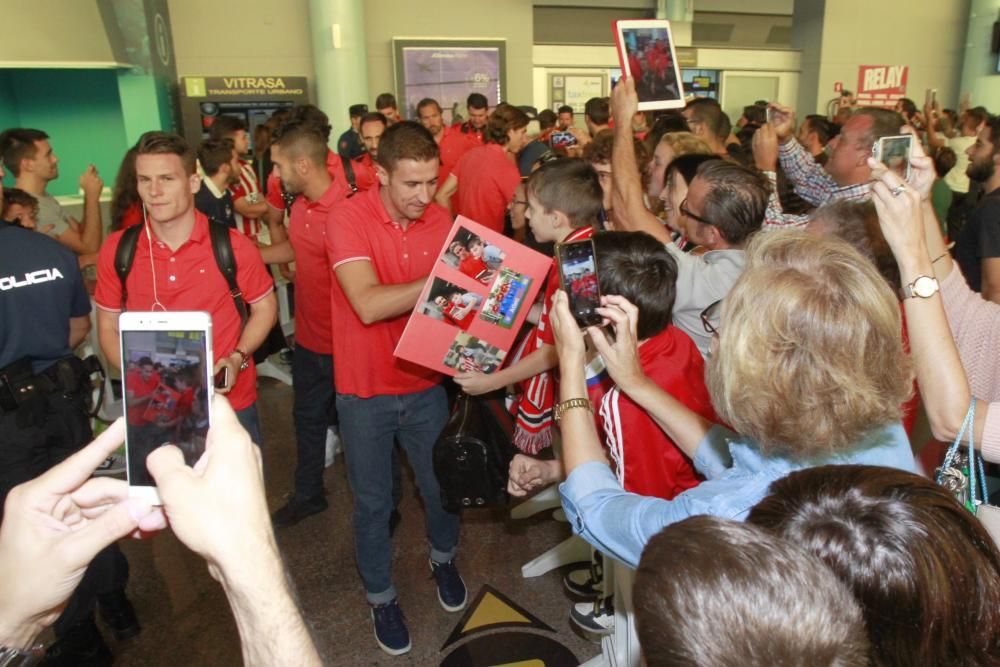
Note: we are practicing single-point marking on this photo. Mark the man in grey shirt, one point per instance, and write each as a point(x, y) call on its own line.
point(28, 155)
point(725, 205)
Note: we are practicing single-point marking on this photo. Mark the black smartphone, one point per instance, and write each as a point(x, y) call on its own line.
point(578, 278)
point(222, 377)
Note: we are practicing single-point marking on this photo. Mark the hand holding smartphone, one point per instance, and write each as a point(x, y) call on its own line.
point(894, 153)
point(167, 372)
point(578, 278)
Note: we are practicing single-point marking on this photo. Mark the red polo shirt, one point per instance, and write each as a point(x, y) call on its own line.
point(333, 166)
point(453, 146)
point(139, 388)
point(487, 179)
point(189, 279)
point(364, 172)
point(360, 229)
point(307, 233)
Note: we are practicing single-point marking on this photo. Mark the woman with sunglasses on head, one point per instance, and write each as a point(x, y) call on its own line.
point(807, 367)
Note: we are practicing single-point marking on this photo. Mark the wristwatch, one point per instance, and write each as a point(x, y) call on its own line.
point(570, 404)
point(14, 657)
point(244, 363)
point(923, 287)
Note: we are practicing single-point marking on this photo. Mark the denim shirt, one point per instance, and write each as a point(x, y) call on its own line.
point(737, 476)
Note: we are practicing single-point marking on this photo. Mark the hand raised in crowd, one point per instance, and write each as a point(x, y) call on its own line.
point(624, 100)
point(765, 148)
point(474, 383)
point(899, 215)
point(52, 528)
point(620, 355)
point(528, 474)
point(90, 181)
point(570, 345)
point(782, 121)
point(218, 508)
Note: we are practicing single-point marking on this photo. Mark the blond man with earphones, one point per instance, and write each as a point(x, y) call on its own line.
point(174, 269)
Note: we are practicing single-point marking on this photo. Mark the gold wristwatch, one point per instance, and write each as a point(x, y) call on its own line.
point(561, 408)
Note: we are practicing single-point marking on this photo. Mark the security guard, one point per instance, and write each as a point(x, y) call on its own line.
point(44, 314)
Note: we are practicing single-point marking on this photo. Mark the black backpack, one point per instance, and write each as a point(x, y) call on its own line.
point(473, 453)
point(222, 248)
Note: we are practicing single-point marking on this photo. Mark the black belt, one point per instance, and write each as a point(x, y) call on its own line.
point(19, 385)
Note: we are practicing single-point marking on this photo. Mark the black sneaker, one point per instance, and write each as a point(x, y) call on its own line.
point(597, 617)
point(119, 615)
point(296, 510)
point(452, 593)
point(586, 581)
point(390, 628)
point(81, 646)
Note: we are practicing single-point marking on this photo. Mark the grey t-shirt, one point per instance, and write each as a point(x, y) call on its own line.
point(51, 212)
point(701, 281)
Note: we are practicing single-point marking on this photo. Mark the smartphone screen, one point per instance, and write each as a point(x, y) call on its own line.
point(894, 153)
point(578, 276)
point(562, 139)
point(166, 395)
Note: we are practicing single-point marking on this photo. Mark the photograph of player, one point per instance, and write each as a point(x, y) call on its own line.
point(580, 283)
point(651, 64)
point(468, 353)
point(474, 257)
point(452, 304)
point(166, 397)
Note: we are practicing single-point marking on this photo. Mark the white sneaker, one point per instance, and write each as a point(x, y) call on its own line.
point(333, 445)
point(597, 617)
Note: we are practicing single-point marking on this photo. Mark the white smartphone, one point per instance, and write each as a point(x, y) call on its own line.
point(168, 387)
point(894, 153)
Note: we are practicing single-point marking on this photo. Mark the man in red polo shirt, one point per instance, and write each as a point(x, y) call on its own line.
point(175, 269)
point(485, 178)
point(312, 114)
point(452, 144)
point(478, 108)
point(299, 153)
point(372, 128)
point(383, 244)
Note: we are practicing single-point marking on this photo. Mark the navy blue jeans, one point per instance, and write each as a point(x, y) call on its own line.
point(250, 421)
point(369, 426)
point(313, 412)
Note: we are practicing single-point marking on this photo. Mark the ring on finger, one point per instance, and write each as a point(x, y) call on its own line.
point(898, 189)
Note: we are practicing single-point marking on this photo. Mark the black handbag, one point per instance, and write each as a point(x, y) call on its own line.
point(473, 453)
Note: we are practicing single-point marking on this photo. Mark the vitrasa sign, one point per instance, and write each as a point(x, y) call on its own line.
point(881, 85)
point(251, 98)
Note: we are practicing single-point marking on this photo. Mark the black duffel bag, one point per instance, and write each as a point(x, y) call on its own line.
point(473, 453)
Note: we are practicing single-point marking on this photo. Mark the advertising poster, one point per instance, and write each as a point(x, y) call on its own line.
point(448, 73)
point(881, 85)
point(474, 302)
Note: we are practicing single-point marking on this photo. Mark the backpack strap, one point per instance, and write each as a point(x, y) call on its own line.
point(349, 173)
point(124, 256)
point(222, 248)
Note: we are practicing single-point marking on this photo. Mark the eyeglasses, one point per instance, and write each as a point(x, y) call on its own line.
point(686, 212)
point(709, 314)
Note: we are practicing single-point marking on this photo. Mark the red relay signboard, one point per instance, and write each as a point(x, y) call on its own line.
point(881, 85)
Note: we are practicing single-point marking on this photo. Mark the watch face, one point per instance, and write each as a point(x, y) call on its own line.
point(924, 286)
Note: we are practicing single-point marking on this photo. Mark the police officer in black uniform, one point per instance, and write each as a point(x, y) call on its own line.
point(44, 314)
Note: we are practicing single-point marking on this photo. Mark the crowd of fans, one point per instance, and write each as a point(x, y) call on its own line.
point(776, 306)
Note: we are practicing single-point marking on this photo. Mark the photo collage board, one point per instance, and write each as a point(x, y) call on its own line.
point(474, 303)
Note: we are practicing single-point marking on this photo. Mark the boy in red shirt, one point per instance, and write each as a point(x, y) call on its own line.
point(564, 201)
point(638, 267)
